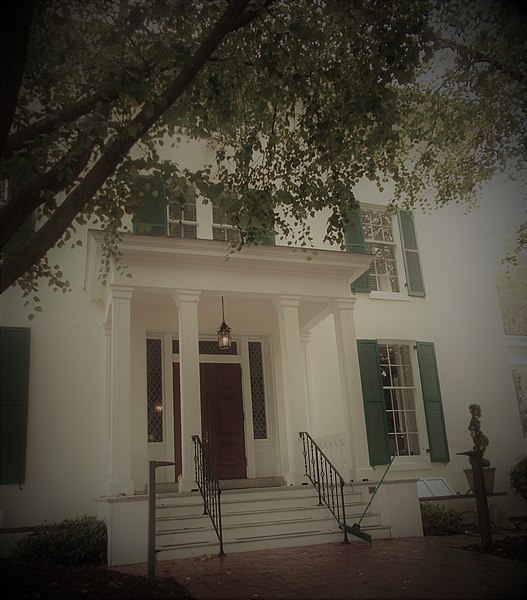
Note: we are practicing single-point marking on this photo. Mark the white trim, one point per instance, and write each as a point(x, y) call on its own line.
point(374, 295)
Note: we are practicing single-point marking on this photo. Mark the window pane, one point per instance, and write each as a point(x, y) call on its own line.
point(379, 241)
point(399, 396)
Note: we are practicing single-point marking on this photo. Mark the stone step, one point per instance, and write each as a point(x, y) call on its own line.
point(272, 517)
point(247, 544)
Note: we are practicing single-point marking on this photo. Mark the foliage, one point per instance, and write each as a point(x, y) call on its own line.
point(299, 102)
point(80, 541)
point(518, 475)
point(439, 520)
point(479, 439)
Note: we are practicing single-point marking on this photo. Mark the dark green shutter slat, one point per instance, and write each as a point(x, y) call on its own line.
point(354, 239)
point(150, 212)
point(269, 239)
point(433, 404)
point(373, 397)
point(412, 264)
point(14, 391)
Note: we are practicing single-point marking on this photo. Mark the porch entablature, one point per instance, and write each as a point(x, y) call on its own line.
point(158, 266)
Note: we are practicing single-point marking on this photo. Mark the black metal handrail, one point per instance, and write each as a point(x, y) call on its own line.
point(326, 479)
point(210, 489)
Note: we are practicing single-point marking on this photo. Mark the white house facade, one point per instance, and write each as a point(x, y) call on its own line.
point(373, 351)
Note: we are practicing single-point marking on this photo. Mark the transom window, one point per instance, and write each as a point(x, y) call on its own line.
point(379, 241)
point(399, 396)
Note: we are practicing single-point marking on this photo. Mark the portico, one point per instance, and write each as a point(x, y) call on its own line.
point(274, 296)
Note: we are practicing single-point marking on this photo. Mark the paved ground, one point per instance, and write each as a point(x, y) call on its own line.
point(424, 568)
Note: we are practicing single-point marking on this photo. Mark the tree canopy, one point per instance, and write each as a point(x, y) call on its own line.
point(300, 100)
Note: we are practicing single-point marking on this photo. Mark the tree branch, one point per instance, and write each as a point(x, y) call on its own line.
point(16, 18)
point(45, 238)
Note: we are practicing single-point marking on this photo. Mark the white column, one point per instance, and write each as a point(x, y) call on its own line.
point(355, 424)
point(187, 302)
point(120, 481)
point(304, 340)
point(294, 383)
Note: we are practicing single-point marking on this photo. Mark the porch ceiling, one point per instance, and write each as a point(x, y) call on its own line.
point(161, 265)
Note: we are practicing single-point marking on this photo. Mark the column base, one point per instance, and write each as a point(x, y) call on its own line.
point(186, 484)
point(118, 488)
point(294, 478)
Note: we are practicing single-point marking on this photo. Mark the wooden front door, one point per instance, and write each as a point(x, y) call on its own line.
point(222, 420)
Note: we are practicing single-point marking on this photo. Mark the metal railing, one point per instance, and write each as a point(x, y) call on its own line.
point(326, 479)
point(210, 489)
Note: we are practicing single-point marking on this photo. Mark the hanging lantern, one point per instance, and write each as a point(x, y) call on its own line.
point(224, 331)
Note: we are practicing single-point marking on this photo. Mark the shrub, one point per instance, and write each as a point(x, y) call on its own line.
point(438, 520)
point(518, 475)
point(80, 541)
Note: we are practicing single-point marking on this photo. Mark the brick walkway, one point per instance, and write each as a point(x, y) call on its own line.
point(398, 568)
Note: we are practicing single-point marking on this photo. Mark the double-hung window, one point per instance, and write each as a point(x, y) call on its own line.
point(182, 219)
point(393, 400)
point(374, 231)
point(221, 230)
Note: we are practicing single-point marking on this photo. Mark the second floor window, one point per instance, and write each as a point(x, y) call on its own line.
point(373, 231)
point(182, 220)
point(221, 230)
point(379, 242)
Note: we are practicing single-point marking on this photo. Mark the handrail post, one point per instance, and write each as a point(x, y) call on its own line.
point(153, 465)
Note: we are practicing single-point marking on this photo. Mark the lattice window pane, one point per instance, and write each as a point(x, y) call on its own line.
point(257, 391)
point(154, 390)
point(211, 347)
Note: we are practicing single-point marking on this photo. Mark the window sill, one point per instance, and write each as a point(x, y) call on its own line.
point(389, 296)
point(410, 466)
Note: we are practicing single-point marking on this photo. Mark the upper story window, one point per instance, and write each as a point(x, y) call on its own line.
point(372, 230)
point(182, 220)
point(379, 242)
point(221, 230)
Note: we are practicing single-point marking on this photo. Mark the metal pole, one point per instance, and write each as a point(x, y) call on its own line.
point(480, 493)
point(152, 519)
point(152, 513)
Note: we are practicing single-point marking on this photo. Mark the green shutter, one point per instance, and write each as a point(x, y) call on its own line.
point(150, 211)
point(412, 264)
point(354, 239)
point(435, 420)
point(269, 239)
point(373, 397)
point(14, 390)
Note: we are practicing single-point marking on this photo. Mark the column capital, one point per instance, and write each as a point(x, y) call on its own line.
point(342, 304)
point(286, 301)
point(186, 296)
point(120, 292)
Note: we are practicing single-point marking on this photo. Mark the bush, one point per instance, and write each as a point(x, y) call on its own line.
point(518, 475)
point(80, 541)
point(438, 520)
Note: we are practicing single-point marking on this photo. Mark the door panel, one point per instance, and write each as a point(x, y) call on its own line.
point(222, 420)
